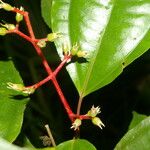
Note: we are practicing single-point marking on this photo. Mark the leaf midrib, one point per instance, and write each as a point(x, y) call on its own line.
point(82, 94)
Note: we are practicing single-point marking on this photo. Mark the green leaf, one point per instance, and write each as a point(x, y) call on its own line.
point(68, 145)
point(5, 145)
point(137, 118)
point(137, 138)
point(78, 144)
point(113, 32)
point(46, 5)
point(11, 108)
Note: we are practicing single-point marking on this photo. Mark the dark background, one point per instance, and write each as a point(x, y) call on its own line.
point(128, 93)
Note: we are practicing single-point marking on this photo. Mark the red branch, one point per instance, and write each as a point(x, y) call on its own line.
point(51, 74)
point(37, 85)
point(32, 40)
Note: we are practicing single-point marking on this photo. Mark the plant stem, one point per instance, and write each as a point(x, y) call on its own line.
point(32, 40)
point(50, 135)
point(37, 85)
point(58, 89)
point(79, 105)
point(27, 21)
point(16, 31)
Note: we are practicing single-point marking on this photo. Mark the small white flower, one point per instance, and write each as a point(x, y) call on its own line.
point(94, 111)
point(76, 124)
point(97, 121)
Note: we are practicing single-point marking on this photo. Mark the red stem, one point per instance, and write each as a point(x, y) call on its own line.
point(51, 74)
point(27, 20)
point(44, 61)
point(37, 85)
point(58, 89)
point(83, 117)
point(20, 34)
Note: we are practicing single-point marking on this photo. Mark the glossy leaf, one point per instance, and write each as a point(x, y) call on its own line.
point(5, 145)
point(113, 32)
point(46, 5)
point(137, 138)
point(12, 105)
point(137, 118)
point(78, 144)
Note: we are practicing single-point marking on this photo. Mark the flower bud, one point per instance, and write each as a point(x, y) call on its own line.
point(20, 88)
point(52, 36)
point(74, 49)
point(97, 121)
point(81, 53)
point(3, 31)
point(76, 124)
point(41, 43)
point(9, 26)
point(65, 48)
point(29, 91)
point(5, 6)
point(19, 17)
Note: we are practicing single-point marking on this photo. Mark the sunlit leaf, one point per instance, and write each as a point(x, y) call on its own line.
point(5, 145)
point(113, 32)
point(46, 5)
point(78, 144)
point(12, 105)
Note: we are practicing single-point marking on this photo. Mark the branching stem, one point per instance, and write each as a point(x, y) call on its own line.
point(37, 85)
point(32, 40)
point(51, 74)
point(50, 135)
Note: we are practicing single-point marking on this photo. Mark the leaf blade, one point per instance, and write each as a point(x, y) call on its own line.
point(113, 32)
point(136, 138)
point(137, 118)
point(78, 144)
point(11, 109)
point(46, 5)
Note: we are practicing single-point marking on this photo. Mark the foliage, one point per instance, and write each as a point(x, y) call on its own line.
point(12, 105)
point(137, 118)
point(114, 33)
point(136, 138)
point(100, 38)
point(72, 144)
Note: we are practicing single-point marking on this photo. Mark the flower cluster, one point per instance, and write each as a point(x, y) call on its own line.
point(92, 115)
point(68, 52)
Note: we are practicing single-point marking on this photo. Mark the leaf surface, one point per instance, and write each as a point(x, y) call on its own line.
point(137, 138)
point(12, 105)
point(5, 145)
point(113, 32)
point(46, 5)
point(78, 144)
point(137, 118)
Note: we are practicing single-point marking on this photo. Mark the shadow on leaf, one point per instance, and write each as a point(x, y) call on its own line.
point(18, 97)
